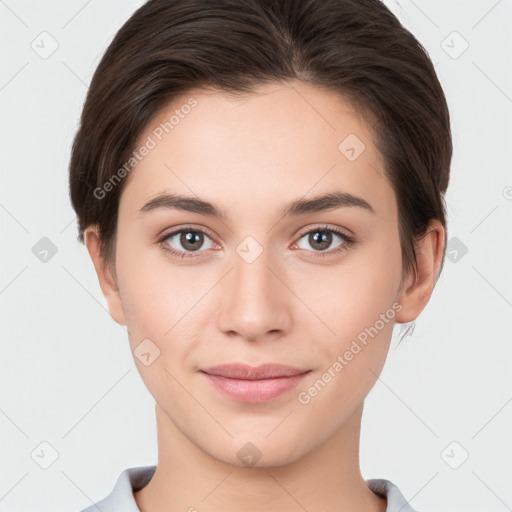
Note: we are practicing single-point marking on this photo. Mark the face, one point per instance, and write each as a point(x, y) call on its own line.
point(314, 287)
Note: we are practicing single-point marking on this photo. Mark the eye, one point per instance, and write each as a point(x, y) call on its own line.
point(322, 237)
point(185, 240)
point(183, 243)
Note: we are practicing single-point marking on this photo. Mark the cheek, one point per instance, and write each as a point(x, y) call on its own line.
point(143, 291)
point(350, 297)
point(358, 304)
point(161, 301)
point(159, 312)
point(145, 296)
point(159, 308)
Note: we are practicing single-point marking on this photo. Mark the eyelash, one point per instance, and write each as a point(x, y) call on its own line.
point(348, 241)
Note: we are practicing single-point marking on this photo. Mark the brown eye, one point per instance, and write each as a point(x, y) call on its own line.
point(186, 240)
point(191, 240)
point(321, 239)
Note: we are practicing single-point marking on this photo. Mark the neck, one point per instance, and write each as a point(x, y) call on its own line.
point(326, 478)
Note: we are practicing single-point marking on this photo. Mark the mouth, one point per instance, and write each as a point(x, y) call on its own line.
point(254, 385)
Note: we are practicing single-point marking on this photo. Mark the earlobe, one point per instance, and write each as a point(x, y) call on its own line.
point(418, 287)
point(105, 275)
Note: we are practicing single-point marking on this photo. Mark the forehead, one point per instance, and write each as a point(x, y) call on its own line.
point(291, 109)
point(293, 138)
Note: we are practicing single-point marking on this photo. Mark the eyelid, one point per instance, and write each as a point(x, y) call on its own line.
point(326, 227)
point(176, 229)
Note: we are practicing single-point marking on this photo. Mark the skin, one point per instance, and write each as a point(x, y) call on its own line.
point(251, 156)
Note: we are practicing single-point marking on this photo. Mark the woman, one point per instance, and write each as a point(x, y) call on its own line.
point(260, 186)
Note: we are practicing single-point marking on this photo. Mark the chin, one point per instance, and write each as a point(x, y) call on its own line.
point(256, 452)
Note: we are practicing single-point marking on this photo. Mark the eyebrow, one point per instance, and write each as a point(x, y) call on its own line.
point(320, 203)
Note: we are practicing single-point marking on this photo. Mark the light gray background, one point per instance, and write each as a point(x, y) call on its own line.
point(67, 376)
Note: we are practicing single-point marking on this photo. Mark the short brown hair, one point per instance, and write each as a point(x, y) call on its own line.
point(355, 47)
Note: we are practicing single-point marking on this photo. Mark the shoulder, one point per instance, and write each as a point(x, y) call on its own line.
point(121, 499)
point(387, 489)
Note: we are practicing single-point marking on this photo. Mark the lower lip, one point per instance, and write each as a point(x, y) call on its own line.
point(255, 391)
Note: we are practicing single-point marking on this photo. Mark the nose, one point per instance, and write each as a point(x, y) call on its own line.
point(255, 303)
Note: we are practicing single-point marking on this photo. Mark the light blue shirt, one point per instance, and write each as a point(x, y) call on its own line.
point(133, 479)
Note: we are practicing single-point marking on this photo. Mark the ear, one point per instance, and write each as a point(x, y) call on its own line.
point(418, 287)
point(106, 277)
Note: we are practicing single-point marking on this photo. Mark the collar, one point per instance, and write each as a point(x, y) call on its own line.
point(133, 479)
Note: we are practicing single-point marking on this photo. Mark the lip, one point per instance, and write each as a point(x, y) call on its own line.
point(254, 385)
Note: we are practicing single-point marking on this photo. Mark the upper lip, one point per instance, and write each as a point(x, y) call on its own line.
point(246, 372)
